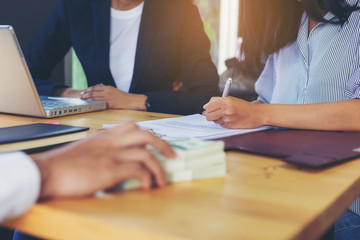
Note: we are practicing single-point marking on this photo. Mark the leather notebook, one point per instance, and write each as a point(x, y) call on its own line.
point(302, 147)
point(38, 135)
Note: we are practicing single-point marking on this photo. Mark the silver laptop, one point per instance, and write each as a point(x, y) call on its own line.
point(18, 94)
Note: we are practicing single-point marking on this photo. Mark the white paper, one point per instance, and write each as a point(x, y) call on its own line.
point(195, 126)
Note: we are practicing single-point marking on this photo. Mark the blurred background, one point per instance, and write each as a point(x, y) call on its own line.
point(220, 18)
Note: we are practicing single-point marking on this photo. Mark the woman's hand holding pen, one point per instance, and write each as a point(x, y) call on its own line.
point(230, 112)
point(115, 98)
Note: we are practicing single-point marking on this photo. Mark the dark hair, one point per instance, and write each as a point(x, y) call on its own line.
point(267, 26)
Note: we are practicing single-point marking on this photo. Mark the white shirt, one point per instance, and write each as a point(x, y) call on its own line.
point(124, 32)
point(19, 184)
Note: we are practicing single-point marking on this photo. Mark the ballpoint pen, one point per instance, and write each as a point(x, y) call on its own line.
point(228, 84)
point(227, 87)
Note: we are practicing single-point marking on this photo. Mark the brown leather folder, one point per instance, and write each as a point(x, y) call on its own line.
point(302, 147)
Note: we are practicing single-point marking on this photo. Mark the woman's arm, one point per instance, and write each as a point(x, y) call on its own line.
point(236, 113)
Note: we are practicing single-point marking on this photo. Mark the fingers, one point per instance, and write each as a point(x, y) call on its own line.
point(144, 176)
point(215, 116)
point(146, 159)
point(96, 88)
point(214, 105)
point(96, 99)
point(131, 141)
point(129, 171)
point(214, 109)
point(95, 92)
point(213, 99)
point(143, 137)
point(221, 122)
point(129, 135)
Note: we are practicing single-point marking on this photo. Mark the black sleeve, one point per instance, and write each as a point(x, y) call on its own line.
point(197, 72)
point(48, 49)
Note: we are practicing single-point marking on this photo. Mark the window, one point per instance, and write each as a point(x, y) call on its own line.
point(220, 19)
point(210, 14)
point(228, 42)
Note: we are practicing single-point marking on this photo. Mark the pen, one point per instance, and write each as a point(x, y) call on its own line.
point(227, 87)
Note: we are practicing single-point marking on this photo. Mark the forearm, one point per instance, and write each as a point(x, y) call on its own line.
point(20, 184)
point(335, 116)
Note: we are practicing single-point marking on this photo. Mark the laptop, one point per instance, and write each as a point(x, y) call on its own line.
point(18, 94)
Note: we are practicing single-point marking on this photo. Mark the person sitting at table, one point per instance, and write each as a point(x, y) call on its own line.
point(311, 79)
point(133, 52)
point(79, 169)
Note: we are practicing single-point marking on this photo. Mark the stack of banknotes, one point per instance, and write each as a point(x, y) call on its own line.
point(196, 159)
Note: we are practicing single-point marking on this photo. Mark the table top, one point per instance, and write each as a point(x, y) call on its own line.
point(260, 198)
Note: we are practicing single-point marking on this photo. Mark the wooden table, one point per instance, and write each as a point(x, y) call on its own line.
point(260, 198)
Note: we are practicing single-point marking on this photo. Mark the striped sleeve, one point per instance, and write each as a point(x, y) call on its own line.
point(353, 88)
point(353, 84)
point(265, 84)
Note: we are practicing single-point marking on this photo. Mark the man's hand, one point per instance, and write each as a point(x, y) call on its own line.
point(115, 98)
point(101, 161)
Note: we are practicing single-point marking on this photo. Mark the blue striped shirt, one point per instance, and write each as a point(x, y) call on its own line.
point(323, 66)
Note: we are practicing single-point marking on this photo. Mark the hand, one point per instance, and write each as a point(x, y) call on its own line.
point(232, 112)
point(101, 161)
point(115, 98)
point(67, 92)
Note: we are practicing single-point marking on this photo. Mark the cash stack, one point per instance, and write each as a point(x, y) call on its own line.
point(196, 159)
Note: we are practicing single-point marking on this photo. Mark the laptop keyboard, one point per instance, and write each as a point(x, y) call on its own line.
point(57, 104)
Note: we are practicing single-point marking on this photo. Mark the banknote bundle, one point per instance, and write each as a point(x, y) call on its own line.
point(196, 159)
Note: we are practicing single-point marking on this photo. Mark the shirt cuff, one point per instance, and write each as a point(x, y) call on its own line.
point(19, 184)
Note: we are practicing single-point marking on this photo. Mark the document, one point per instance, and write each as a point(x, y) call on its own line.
point(194, 126)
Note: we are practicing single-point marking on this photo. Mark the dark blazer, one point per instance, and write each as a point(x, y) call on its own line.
point(172, 45)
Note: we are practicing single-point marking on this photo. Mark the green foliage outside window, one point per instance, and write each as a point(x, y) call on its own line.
point(210, 13)
point(78, 76)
